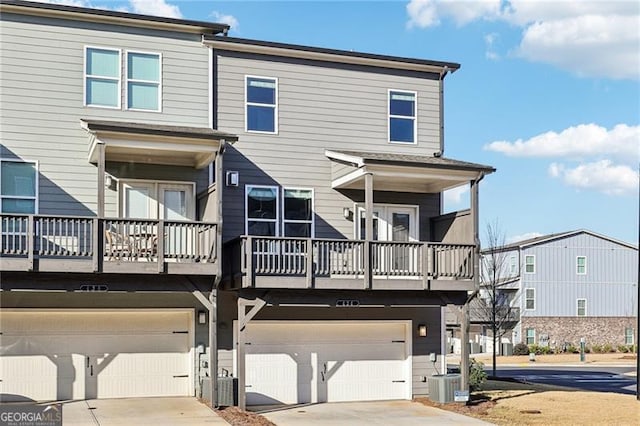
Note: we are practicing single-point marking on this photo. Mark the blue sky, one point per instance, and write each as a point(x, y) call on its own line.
point(548, 92)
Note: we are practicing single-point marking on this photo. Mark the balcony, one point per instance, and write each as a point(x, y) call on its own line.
point(89, 244)
point(294, 263)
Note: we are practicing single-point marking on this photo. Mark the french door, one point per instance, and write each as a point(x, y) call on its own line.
point(392, 223)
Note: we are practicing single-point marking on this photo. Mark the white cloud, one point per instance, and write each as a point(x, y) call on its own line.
point(584, 140)
point(427, 13)
point(156, 8)
point(590, 38)
point(454, 195)
point(602, 176)
point(226, 19)
point(490, 42)
point(522, 237)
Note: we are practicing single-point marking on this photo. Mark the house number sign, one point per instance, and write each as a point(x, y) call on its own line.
point(347, 303)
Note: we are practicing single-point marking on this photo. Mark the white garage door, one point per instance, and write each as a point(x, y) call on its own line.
point(59, 355)
point(290, 363)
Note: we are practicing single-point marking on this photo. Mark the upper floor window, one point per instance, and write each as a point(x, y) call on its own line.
point(581, 307)
point(143, 81)
point(262, 210)
point(298, 213)
point(402, 116)
point(513, 265)
point(102, 77)
point(529, 298)
point(261, 104)
point(18, 186)
point(581, 265)
point(529, 264)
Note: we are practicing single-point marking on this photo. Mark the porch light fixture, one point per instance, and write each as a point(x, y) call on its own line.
point(346, 212)
point(422, 330)
point(108, 181)
point(202, 317)
point(233, 178)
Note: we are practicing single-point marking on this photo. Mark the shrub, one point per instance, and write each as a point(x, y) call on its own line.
point(597, 349)
point(521, 349)
point(477, 375)
point(607, 348)
point(545, 350)
point(572, 349)
point(623, 348)
point(587, 350)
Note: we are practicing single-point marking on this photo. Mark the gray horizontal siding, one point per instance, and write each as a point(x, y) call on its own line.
point(41, 63)
point(320, 107)
point(609, 284)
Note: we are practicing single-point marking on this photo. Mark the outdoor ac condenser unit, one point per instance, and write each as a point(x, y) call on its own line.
point(442, 387)
point(227, 391)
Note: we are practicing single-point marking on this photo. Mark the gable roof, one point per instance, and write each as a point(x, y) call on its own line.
point(553, 237)
point(111, 16)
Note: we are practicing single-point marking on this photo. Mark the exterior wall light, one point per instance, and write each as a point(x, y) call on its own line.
point(346, 212)
point(202, 317)
point(422, 330)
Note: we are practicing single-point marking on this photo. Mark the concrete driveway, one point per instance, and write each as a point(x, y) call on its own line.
point(405, 413)
point(139, 411)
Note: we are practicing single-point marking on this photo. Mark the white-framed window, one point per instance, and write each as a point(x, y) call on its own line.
point(144, 87)
point(297, 207)
point(261, 104)
point(102, 77)
point(628, 336)
point(530, 264)
point(262, 210)
point(402, 116)
point(513, 265)
point(581, 307)
point(18, 186)
point(581, 265)
point(530, 299)
point(530, 336)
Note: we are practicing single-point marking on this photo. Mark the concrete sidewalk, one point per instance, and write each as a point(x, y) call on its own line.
point(405, 413)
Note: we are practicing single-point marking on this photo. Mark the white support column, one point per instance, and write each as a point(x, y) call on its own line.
point(101, 179)
point(368, 207)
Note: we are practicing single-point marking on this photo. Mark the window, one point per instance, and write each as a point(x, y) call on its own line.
point(18, 186)
point(298, 213)
point(261, 104)
point(530, 298)
point(628, 336)
point(530, 264)
point(262, 210)
point(102, 77)
point(402, 117)
point(513, 265)
point(142, 199)
point(581, 307)
point(581, 265)
point(531, 336)
point(143, 81)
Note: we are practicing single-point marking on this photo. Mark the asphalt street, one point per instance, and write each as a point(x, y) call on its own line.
point(598, 379)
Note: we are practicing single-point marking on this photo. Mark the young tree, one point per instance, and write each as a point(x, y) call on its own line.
point(492, 305)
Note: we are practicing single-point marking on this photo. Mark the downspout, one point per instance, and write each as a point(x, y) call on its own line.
point(213, 295)
point(443, 74)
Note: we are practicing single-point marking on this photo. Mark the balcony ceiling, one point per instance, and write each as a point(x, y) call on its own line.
point(401, 172)
point(154, 144)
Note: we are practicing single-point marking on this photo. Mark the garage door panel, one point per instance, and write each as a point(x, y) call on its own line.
point(315, 362)
point(126, 359)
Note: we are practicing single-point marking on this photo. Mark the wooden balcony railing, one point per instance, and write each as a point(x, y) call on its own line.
point(331, 263)
point(87, 244)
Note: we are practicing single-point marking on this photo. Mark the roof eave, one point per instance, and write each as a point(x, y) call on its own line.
point(110, 17)
point(328, 55)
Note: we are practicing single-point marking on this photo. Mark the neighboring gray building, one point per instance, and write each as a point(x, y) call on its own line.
point(337, 261)
point(572, 285)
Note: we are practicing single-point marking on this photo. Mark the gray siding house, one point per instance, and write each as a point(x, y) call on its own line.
point(312, 265)
point(573, 285)
point(109, 225)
